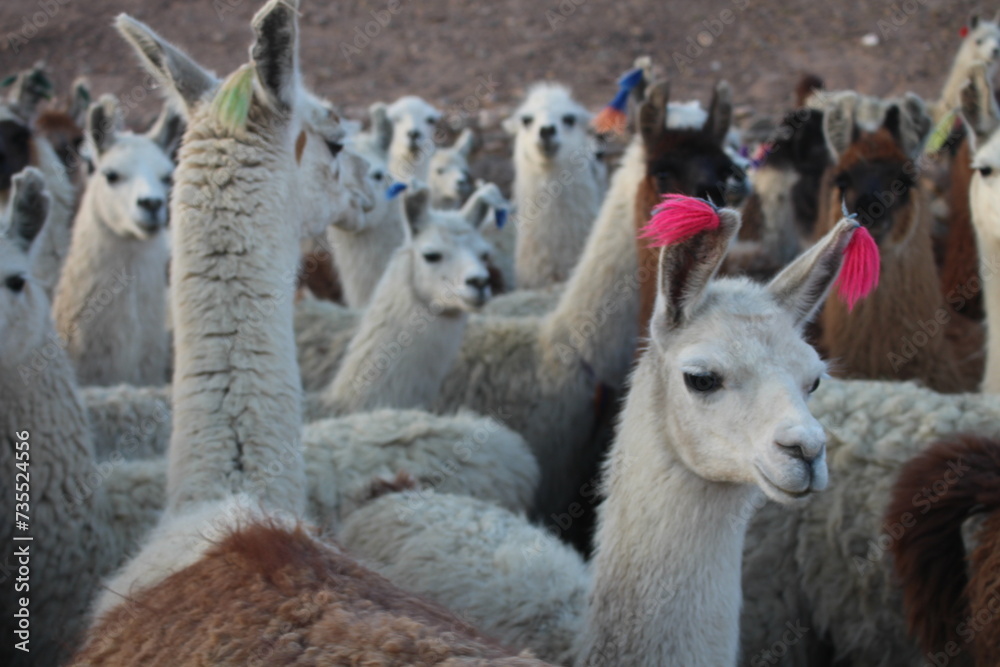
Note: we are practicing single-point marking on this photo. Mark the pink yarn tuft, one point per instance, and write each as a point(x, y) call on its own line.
point(678, 218)
point(859, 275)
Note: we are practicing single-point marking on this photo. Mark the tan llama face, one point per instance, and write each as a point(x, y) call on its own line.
point(738, 379)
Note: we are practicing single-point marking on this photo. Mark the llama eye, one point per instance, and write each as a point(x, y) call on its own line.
point(485, 257)
point(334, 147)
point(15, 283)
point(662, 181)
point(843, 181)
point(432, 257)
point(527, 120)
point(569, 120)
point(431, 120)
point(441, 171)
point(979, 42)
point(815, 386)
point(702, 383)
point(985, 171)
point(112, 176)
point(167, 180)
point(377, 175)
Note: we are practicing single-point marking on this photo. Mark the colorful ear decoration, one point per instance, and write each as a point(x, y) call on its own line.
point(501, 217)
point(760, 154)
point(612, 118)
point(393, 190)
point(939, 135)
point(678, 218)
point(860, 272)
point(964, 32)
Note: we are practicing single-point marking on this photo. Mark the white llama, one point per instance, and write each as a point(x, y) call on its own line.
point(110, 305)
point(665, 583)
point(556, 189)
point(980, 47)
point(448, 174)
point(414, 122)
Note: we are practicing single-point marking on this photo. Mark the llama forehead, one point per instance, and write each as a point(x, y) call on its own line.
point(134, 153)
point(686, 115)
point(988, 154)
point(13, 260)
point(448, 158)
point(411, 106)
point(877, 146)
point(983, 31)
point(552, 99)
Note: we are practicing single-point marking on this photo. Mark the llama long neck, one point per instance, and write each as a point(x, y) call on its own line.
point(666, 588)
point(113, 288)
point(958, 77)
point(556, 206)
point(237, 393)
point(989, 271)
point(596, 318)
point(362, 256)
point(402, 349)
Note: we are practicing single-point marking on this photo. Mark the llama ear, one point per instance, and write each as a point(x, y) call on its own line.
point(839, 127)
point(893, 123)
point(802, 286)
point(28, 207)
point(168, 129)
point(652, 115)
point(466, 140)
point(511, 124)
point(80, 101)
point(487, 196)
point(103, 122)
point(686, 269)
point(416, 208)
point(184, 80)
point(720, 114)
point(381, 128)
point(28, 90)
point(915, 124)
point(275, 53)
point(973, 21)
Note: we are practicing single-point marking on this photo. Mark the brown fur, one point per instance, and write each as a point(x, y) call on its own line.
point(939, 596)
point(807, 85)
point(318, 273)
point(875, 340)
point(268, 595)
point(65, 136)
point(300, 146)
point(961, 260)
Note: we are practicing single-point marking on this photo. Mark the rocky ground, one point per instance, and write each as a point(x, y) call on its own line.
point(475, 59)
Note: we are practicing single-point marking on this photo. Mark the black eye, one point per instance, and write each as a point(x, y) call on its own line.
point(985, 171)
point(485, 257)
point(814, 386)
point(431, 120)
point(842, 181)
point(440, 171)
point(112, 177)
point(377, 175)
point(527, 120)
point(168, 180)
point(569, 120)
point(979, 42)
point(334, 147)
point(432, 257)
point(15, 283)
point(702, 383)
point(662, 181)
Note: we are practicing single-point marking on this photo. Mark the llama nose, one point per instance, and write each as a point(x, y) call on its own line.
point(151, 204)
point(547, 132)
point(413, 135)
point(478, 282)
point(804, 449)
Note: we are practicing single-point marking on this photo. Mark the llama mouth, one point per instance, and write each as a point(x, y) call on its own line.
point(783, 491)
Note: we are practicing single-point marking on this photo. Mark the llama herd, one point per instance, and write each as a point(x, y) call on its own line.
point(299, 392)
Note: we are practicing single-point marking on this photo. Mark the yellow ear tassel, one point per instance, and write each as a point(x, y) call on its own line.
point(231, 105)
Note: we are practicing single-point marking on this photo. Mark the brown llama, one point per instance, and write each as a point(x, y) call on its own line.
point(951, 597)
point(905, 330)
point(960, 270)
point(687, 161)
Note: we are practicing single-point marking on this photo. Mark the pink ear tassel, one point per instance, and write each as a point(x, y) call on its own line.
point(859, 275)
point(678, 218)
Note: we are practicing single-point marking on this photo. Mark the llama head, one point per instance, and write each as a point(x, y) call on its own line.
point(448, 173)
point(131, 180)
point(981, 44)
point(549, 126)
point(448, 255)
point(688, 160)
point(413, 125)
point(873, 176)
point(732, 363)
point(984, 191)
point(335, 187)
point(24, 307)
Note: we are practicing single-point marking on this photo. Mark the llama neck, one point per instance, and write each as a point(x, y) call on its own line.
point(402, 350)
point(556, 206)
point(237, 393)
point(362, 256)
point(597, 314)
point(666, 587)
point(989, 266)
point(958, 76)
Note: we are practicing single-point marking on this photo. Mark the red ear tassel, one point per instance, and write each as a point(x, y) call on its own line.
point(678, 218)
point(859, 274)
point(610, 121)
point(964, 32)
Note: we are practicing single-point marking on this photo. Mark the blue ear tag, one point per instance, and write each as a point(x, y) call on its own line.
point(393, 190)
point(501, 217)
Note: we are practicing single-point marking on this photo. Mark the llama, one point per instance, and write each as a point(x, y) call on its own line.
point(448, 174)
point(412, 144)
point(425, 295)
point(979, 48)
point(182, 546)
point(949, 585)
point(687, 159)
point(96, 513)
point(556, 193)
point(24, 140)
point(874, 176)
point(636, 570)
point(110, 305)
